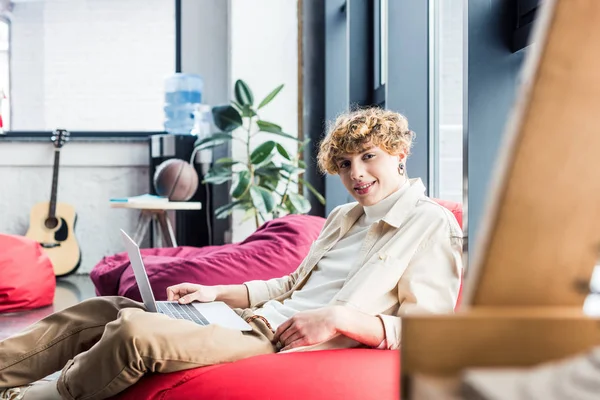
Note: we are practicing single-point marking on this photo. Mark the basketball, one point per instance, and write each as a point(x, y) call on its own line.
point(176, 179)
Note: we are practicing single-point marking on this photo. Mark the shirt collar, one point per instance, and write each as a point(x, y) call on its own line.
point(397, 214)
point(379, 210)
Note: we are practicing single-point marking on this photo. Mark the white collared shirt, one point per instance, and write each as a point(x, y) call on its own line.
point(411, 262)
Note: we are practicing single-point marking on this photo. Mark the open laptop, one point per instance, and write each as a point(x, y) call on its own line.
point(215, 312)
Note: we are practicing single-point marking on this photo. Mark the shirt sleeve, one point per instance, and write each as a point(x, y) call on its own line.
point(430, 283)
point(260, 291)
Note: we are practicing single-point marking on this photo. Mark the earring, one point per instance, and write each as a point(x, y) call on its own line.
point(401, 168)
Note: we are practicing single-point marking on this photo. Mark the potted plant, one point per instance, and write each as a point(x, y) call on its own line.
point(262, 182)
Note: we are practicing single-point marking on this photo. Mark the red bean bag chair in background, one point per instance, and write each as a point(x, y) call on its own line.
point(348, 374)
point(26, 275)
point(273, 250)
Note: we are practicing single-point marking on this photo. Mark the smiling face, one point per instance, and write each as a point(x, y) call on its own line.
point(371, 175)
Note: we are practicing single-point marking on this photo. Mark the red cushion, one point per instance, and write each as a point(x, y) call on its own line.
point(275, 249)
point(26, 275)
point(455, 208)
point(333, 374)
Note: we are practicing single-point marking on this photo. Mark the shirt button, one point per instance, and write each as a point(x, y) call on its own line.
point(382, 256)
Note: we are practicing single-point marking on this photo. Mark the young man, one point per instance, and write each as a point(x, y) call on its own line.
point(394, 251)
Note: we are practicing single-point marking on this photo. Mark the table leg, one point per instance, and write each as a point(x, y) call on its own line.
point(143, 223)
point(166, 229)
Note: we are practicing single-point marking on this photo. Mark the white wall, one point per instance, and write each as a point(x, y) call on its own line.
point(264, 53)
point(90, 174)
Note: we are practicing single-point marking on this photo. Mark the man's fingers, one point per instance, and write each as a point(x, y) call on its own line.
point(175, 292)
point(296, 343)
point(188, 298)
point(282, 328)
point(290, 338)
point(171, 294)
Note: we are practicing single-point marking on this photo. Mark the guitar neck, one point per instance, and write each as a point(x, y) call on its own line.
point(52, 208)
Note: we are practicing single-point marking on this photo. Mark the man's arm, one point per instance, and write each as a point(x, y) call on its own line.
point(364, 328)
point(316, 326)
point(235, 296)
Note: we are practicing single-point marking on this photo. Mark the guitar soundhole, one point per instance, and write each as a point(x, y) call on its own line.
point(51, 223)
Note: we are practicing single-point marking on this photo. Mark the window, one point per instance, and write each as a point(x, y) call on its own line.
point(90, 65)
point(380, 47)
point(4, 73)
point(446, 99)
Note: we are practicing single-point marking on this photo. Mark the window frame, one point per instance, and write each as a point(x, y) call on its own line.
point(7, 21)
point(43, 135)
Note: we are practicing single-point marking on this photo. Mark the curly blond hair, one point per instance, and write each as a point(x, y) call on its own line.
point(353, 132)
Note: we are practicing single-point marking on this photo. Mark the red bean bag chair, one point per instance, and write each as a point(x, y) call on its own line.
point(273, 250)
point(26, 275)
point(334, 374)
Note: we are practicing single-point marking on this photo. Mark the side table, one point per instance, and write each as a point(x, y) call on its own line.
point(156, 211)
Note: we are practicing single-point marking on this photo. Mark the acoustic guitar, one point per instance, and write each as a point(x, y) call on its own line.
point(52, 224)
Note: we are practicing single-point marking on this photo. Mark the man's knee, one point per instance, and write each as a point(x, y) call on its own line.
point(113, 302)
point(132, 324)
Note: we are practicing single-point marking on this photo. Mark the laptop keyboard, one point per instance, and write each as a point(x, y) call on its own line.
point(181, 311)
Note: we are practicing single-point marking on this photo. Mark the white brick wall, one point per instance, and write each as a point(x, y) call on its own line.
point(90, 174)
point(91, 64)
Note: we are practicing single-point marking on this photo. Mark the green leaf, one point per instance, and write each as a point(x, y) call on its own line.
point(218, 175)
point(262, 199)
point(262, 152)
point(247, 111)
point(267, 183)
point(270, 170)
point(224, 211)
point(300, 203)
point(289, 206)
point(250, 213)
point(217, 179)
point(313, 191)
point(281, 150)
point(243, 94)
point(213, 140)
point(285, 135)
point(270, 96)
point(301, 164)
point(291, 169)
point(226, 118)
point(237, 106)
point(303, 145)
point(266, 160)
point(266, 126)
point(242, 184)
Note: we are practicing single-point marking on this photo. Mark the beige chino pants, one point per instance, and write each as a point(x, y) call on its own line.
point(106, 344)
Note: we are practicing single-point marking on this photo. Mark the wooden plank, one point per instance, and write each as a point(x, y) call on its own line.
point(443, 345)
point(541, 234)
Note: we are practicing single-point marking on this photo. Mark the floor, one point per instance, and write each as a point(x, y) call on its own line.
point(70, 290)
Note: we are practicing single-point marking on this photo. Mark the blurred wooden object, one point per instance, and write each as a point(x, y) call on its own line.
point(527, 283)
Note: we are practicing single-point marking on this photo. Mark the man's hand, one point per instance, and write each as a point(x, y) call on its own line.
point(188, 292)
point(309, 327)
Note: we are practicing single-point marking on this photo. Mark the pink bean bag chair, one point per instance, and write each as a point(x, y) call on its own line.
point(27, 278)
point(274, 250)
